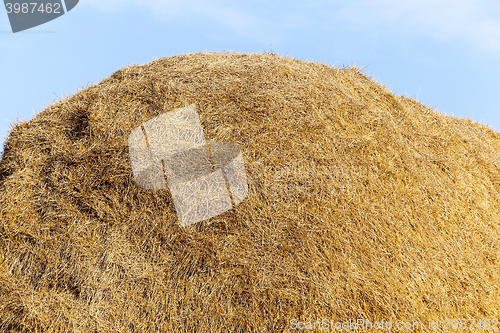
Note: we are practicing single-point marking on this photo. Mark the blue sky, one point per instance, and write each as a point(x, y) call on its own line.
point(446, 52)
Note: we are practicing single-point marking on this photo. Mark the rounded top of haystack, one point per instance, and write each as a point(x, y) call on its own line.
point(353, 192)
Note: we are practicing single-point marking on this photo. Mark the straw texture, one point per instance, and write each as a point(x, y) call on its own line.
point(361, 205)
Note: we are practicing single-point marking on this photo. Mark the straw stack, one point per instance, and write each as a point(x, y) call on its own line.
point(362, 205)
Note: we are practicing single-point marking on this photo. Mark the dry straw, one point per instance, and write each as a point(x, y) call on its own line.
point(361, 205)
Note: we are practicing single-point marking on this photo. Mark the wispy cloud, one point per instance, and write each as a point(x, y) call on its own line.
point(258, 19)
point(219, 13)
point(476, 22)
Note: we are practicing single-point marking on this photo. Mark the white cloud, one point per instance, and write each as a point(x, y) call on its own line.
point(476, 22)
point(472, 21)
point(220, 13)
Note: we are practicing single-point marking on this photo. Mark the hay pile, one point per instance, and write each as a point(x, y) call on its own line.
point(361, 205)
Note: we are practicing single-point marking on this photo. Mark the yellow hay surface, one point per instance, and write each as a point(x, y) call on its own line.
point(361, 205)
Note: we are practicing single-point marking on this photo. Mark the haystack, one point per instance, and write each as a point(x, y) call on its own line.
point(361, 205)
